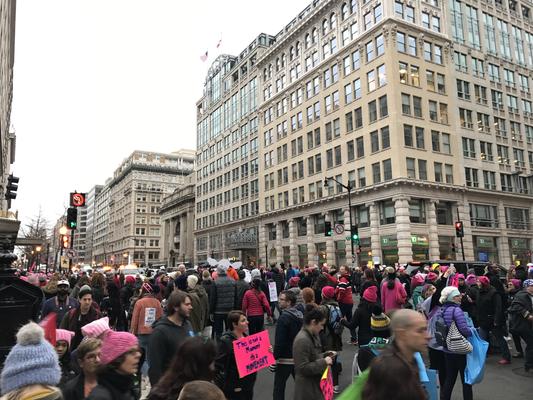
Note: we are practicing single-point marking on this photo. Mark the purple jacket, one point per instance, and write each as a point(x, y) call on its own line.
point(453, 312)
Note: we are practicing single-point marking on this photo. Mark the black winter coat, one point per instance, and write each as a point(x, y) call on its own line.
point(519, 311)
point(361, 319)
point(288, 325)
point(223, 297)
point(114, 386)
point(489, 310)
point(74, 389)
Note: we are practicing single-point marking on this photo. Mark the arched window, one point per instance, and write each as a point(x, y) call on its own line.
point(291, 53)
point(325, 26)
point(314, 35)
point(265, 74)
point(344, 11)
point(297, 47)
point(333, 21)
point(353, 6)
point(270, 70)
point(283, 60)
point(278, 64)
point(307, 41)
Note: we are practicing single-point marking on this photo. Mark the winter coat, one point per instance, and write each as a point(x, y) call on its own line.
point(74, 321)
point(54, 306)
point(200, 308)
point(223, 298)
point(309, 365)
point(98, 294)
point(164, 342)
point(255, 304)
point(452, 312)
point(394, 298)
point(74, 389)
point(519, 311)
point(226, 372)
point(406, 281)
point(114, 386)
point(361, 319)
point(126, 294)
point(489, 312)
point(279, 278)
point(288, 325)
point(242, 287)
point(343, 292)
point(146, 311)
point(330, 340)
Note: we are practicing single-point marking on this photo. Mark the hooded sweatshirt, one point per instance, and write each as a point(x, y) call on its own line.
point(288, 325)
point(164, 342)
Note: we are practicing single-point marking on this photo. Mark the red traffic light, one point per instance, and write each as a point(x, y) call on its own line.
point(458, 225)
point(77, 199)
point(459, 230)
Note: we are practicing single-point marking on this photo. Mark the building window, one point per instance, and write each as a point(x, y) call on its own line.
point(387, 212)
point(417, 211)
point(483, 215)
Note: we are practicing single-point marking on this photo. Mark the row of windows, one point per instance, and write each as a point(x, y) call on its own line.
point(238, 192)
point(501, 155)
point(229, 215)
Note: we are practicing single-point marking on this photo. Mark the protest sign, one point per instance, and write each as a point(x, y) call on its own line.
point(273, 291)
point(326, 384)
point(252, 353)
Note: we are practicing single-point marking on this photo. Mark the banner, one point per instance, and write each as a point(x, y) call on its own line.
point(252, 353)
point(326, 384)
point(273, 291)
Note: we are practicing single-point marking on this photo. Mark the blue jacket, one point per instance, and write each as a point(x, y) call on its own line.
point(453, 312)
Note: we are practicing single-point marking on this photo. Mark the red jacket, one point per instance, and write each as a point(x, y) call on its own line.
point(146, 311)
point(344, 291)
point(255, 303)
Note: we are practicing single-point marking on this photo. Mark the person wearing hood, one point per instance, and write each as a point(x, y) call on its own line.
point(146, 311)
point(289, 324)
point(60, 304)
point(168, 333)
point(450, 298)
point(200, 304)
point(294, 286)
point(393, 294)
point(491, 317)
point(226, 372)
point(120, 355)
point(222, 299)
point(521, 320)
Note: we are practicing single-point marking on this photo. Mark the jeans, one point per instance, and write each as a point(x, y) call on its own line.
point(455, 363)
point(517, 343)
point(346, 311)
point(218, 324)
point(497, 332)
point(143, 344)
point(274, 305)
point(256, 323)
point(283, 371)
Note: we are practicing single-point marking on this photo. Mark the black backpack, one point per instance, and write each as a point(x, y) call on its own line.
point(441, 329)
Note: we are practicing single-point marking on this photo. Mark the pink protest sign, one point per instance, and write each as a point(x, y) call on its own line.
point(326, 384)
point(252, 353)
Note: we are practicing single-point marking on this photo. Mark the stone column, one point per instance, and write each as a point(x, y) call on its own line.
point(348, 242)
point(183, 236)
point(434, 248)
point(504, 250)
point(262, 242)
point(311, 249)
point(190, 233)
point(468, 240)
point(330, 242)
point(375, 240)
point(403, 229)
point(293, 234)
point(279, 245)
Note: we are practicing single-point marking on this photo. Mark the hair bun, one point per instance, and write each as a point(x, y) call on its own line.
point(30, 333)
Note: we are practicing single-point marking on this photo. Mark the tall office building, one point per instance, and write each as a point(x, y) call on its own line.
point(100, 249)
point(422, 108)
point(90, 202)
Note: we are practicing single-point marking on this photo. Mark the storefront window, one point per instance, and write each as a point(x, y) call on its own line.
point(302, 255)
point(486, 249)
point(417, 211)
point(519, 249)
point(444, 213)
point(366, 251)
point(340, 253)
point(420, 247)
point(389, 249)
point(387, 213)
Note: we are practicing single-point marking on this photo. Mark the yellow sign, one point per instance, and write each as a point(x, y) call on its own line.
point(64, 262)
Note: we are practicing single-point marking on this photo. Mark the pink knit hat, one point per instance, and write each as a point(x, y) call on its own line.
point(116, 344)
point(63, 334)
point(96, 328)
point(328, 292)
point(371, 294)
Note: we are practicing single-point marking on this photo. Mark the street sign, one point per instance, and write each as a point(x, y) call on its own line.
point(77, 199)
point(339, 229)
point(70, 253)
point(64, 262)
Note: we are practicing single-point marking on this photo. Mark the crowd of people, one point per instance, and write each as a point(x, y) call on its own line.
point(170, 334)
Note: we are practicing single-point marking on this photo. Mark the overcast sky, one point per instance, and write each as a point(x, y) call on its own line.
point(96, 79)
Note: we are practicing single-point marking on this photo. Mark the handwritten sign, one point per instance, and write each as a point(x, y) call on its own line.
point(273, 291)
point(326, 384)
point(252, 353)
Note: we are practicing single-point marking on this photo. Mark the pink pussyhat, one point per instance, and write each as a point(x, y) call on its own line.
point(96, 328)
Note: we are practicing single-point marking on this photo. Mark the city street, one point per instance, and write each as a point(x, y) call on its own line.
point(500, 382)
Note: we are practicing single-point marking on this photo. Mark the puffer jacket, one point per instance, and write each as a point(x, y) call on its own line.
point(452, 312)
point(223, 297)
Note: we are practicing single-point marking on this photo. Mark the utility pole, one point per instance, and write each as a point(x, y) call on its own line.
point(459, 228)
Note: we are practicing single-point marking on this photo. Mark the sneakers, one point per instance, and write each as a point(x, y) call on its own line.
point(518, 355)
point(336, 389)
point(503, 361)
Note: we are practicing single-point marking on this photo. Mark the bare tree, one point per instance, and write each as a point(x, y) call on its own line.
point(37, 228)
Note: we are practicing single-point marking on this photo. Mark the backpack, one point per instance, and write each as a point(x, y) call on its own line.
point(334, 319)
point(441, 329)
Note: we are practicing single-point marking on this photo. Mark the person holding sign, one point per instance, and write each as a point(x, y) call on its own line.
point(309, 361)
point(227, 374)
point(255, 305)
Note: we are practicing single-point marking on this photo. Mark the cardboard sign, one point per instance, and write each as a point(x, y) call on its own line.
point(326, 384)
point(252, 354)
point(273, 291)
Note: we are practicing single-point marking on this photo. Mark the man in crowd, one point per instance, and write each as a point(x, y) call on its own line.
point(288, 326)
point(88, 355)
point(521, 320)
point(168, 333)
point(222, 300)
point(61, 303)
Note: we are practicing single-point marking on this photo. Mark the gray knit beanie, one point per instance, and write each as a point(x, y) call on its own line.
point(31, 361)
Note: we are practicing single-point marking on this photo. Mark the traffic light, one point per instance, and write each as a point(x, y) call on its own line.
point(355, 233)
point(454, 250)
point(11, 188)
point(72, 218)
point(327, 228)
point(459, 231)
point(66, 243)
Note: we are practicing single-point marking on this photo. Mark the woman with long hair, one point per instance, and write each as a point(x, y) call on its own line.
point(393, 294)
point(227, 375)
point(98, 286)
point(119, 356)
point(255, 305)
point(309, 361)
point(194, 360)
point(369, 279)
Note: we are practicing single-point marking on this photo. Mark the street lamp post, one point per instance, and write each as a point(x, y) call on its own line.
point(349, 189)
